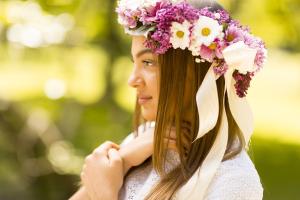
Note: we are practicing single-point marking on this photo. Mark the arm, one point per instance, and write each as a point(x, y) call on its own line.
point(136, 151)
point(102, 174)
point(133, 153)
point(81, 194)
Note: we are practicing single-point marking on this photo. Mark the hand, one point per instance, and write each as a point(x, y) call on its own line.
point(102, 173)
point(139, 149)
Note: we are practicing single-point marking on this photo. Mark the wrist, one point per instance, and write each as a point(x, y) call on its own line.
point(126, 164)
point(126, 168)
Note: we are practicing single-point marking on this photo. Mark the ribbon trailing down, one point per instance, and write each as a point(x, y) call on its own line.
point(208, 110)
point(239, 108)
point(197, 185)
point(207, 103)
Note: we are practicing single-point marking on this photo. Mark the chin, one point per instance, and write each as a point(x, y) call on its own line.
point(148, 115)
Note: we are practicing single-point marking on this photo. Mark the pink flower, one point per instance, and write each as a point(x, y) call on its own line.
point(128, 18)
point(217, 38)
point(207, 53)
point(220, 45)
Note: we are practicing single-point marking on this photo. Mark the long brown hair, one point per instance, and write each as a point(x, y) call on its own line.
point(175, 66)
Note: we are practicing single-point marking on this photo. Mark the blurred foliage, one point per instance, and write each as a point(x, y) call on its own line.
point(276, 21)
point(63, 71)
point(278, 165)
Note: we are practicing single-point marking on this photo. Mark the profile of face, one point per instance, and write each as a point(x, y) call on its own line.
point(145, 77)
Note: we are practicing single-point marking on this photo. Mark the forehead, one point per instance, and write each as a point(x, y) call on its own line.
point(137, 44)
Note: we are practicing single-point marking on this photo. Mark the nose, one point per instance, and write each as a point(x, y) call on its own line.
point(135, 79)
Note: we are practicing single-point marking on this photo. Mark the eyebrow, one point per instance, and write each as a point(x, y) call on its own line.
point(142, 52)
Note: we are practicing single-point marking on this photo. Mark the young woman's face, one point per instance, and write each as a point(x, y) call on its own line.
point(145, 77)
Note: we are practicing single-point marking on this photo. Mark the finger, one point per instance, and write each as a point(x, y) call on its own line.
point(103, 148)
point(114, 157)
point(148, 131)
point(107, 145)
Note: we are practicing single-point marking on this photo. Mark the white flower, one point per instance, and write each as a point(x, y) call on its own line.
point(217, 15)
point(176, 1)
point(180, 35)
point(149, 3)
point(197, 60)
point(194, 48)
point(129, 4)
point(240, 56)
point(206, 30)
point(136, 4)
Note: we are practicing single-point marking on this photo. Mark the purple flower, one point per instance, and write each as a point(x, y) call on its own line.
point(159, 42)
point(159, 18)
point(187, 11)
point(221, 68)
point(260, 58)
point(242, 82)
point(261, 54)
point(206, 12)
point(234, 34)
point(163, 15)
point(150, 14)
point(224, 17)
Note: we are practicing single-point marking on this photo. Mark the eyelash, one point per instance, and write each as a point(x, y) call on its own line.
point(147, 63)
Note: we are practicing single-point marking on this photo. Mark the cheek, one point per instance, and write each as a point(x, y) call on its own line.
point(153, 85)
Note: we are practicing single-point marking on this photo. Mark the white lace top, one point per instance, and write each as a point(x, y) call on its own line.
point(235, 179)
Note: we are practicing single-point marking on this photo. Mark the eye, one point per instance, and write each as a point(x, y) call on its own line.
point(147, 63)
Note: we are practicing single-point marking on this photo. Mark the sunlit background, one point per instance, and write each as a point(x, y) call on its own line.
point(63, 91)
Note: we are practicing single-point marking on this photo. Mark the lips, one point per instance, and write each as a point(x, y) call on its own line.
point(142, 99)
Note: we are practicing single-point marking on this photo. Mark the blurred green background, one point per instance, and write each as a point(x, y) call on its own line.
point(63, 91)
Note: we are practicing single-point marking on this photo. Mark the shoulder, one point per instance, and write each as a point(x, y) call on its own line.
point(236, 179)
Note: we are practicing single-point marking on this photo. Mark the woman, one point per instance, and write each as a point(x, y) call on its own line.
point(192, 67)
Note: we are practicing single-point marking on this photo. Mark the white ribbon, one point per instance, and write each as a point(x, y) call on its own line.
point(241, 57)
point(197, 185)
point(239, 108)
point(208, 111)
point(207, 103)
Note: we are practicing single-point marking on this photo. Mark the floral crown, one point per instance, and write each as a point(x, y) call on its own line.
point(211, 36)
